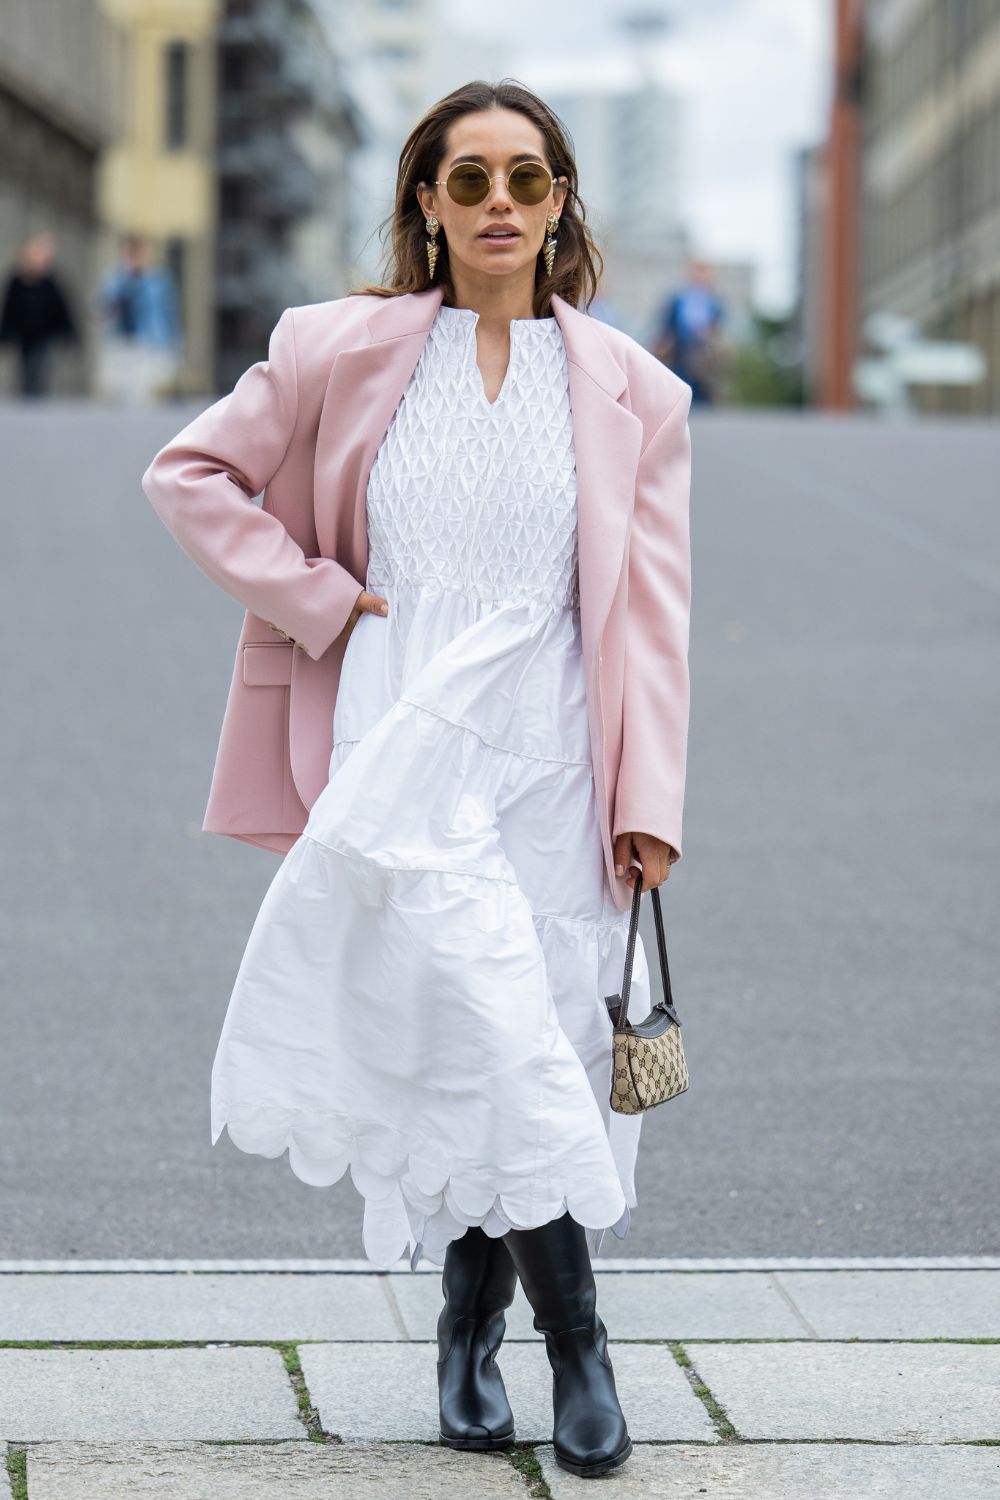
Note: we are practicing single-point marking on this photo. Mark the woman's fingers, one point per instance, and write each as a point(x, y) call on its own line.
point(373, 603)
point(652, 855)
point(365, 603)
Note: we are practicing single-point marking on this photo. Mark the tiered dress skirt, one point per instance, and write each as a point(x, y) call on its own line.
point(421, 999)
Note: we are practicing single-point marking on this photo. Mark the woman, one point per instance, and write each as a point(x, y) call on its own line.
point(422, 995)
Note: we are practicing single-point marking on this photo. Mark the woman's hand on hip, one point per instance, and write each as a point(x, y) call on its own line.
point(365, 603)
point(651, 853)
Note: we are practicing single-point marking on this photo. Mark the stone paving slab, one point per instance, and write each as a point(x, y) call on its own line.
point(109, 1394)
point(330, 1307)
point(390, 1391)
point(293, 1471)
point(897, 1304)
point(150, 1307)
point(641, 1305)
point(902, 1393)
point(810, 1471)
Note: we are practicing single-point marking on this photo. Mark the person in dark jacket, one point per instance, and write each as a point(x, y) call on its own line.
point(35, 312)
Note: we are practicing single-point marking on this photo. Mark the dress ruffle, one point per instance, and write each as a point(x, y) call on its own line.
point(420, 1198)
point(461, 1097)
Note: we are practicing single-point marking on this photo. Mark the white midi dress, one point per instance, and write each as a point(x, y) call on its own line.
point(421, 999)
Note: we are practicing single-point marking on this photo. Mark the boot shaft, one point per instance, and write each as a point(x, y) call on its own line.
point(553, 1264)
point(478, 1280)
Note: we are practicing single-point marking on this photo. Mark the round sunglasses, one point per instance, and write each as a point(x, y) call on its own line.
point(468, 183)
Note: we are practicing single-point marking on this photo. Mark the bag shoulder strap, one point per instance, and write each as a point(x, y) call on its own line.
point(667, 1002)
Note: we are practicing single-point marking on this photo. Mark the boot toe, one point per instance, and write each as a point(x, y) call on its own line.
point(478, 1437)
point(598, 1459)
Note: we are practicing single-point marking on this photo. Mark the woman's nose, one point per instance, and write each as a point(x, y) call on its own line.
point(500, 193)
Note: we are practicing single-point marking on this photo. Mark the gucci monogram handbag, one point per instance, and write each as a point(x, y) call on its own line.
point(648, 1065)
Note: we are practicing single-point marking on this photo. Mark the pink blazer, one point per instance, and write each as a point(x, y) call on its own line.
point(304, 426)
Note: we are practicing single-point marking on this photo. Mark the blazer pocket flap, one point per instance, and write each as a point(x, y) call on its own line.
point(267, 663)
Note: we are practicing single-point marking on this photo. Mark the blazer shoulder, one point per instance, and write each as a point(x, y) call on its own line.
point(334, 319)
point(654, 389)
point(321, 330)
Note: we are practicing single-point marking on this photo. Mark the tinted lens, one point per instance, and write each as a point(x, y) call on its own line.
point(530, 183)
point(468, 184)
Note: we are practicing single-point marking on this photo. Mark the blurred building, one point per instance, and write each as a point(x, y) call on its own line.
point(400, 38)
point(158, 178)
point(234, 163)
point(628, 148)
point(60, 107)
point(900, 205)
point(930, 195)
point(404, 56)
point(287, 127)
point(811, 200)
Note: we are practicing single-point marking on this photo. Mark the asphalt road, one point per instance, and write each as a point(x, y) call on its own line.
point(833, 926)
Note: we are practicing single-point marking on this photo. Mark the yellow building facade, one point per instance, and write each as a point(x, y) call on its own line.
point(158, 178)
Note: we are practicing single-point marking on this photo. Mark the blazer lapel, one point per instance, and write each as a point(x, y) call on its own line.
point(363, 391)
point(607, 440)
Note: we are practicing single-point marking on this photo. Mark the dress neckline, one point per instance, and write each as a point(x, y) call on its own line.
point(521, 335)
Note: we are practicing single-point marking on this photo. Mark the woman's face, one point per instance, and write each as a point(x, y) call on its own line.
point(497, 139)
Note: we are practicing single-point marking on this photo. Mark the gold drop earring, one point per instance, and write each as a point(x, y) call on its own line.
point(433, 250)
point(549, 248)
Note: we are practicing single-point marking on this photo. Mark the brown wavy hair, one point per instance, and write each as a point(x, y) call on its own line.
point(578, 263)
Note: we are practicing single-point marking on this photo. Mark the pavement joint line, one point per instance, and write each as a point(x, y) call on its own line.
point(395, 1311)
point(622, 1264)
point(775, 1280)
point(717, 1414)
point(308, 1412)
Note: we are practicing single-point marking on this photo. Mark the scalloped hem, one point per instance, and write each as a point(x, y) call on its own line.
point(413, 1211)
point(595, 1236)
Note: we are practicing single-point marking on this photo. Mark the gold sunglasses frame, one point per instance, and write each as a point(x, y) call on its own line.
point(465, 165)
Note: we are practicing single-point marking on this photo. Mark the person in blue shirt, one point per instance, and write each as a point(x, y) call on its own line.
point(688, 333)
point(144, 339)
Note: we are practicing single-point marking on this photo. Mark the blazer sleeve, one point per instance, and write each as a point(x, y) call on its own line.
point(202, 485)
point(656, 701)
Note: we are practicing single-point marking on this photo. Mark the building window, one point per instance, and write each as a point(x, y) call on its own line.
point(177, 56)
point(176, 262)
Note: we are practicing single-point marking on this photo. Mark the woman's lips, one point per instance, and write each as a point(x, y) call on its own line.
point(504, 236)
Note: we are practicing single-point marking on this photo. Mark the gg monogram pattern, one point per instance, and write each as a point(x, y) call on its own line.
point(646, 1070)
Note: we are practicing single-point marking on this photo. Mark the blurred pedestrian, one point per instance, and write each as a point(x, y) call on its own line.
point(688, 337)
point(143, 338)
point(35, 312)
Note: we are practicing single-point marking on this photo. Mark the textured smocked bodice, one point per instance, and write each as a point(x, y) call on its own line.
point(472, 540)
point(474, 496)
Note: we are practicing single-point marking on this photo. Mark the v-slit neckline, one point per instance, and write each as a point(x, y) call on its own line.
point(469, 317)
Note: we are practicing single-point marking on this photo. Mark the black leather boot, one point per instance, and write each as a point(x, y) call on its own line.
point(589, 1434)
point(479, 1282)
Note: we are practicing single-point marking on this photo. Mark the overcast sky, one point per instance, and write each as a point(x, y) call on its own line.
point(754, 75)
